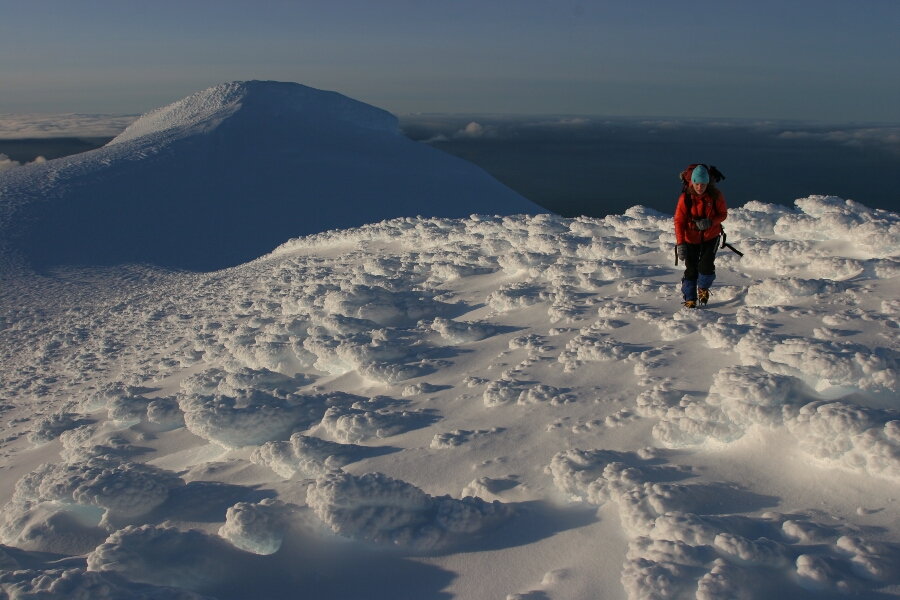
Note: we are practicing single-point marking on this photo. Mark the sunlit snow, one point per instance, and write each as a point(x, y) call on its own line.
point(485, 407)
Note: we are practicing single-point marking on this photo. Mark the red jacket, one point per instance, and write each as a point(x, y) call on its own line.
point(711, 205)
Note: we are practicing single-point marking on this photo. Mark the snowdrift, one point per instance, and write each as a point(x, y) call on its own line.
point(226, 175)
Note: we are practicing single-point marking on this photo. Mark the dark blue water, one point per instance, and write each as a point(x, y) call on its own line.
point(597, 167)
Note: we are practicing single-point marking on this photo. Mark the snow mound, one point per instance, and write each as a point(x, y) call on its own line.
point(836, 433)
point(78, 584)
point(50, 427)
point(382, 510)
point(246, 166)
point(162, 555)
point(119, 487)
point(458, 437)
point(379, 417)
point(461, 333)
point(680, 546)
point(257, 528)
point(253, 417)
point(307, 455)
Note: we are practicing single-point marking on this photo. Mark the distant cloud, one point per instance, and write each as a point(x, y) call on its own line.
point(70, 125)
point(563, 122)
point(6, 163)
point(889, 136)
point(475, 130)
point(445, 128)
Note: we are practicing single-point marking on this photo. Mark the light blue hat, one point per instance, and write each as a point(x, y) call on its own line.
point(699, 175)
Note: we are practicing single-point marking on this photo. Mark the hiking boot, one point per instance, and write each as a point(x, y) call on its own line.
point(690, 304)
point(703, 296)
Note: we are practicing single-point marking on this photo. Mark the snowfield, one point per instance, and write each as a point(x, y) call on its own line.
point(489, 407)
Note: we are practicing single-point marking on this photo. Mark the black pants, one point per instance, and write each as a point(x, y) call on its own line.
point(700, 259)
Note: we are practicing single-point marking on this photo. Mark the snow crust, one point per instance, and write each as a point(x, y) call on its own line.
point(469, 401)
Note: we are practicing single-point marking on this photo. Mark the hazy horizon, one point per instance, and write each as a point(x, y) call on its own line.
point(598, 166)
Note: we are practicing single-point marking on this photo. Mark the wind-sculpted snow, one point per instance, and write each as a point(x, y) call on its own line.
point(254, 417)
point(378, 417)
point(377, 304)
point(165, 413)
point(371, 356)
point(307, 455)
point(162, 555)
point(50, 427)
point(225, 382)
point(774, 292)
point(90, 441)
point(78, 584)
point(461, 333)
point(257, 528)
point(836, 433)
point(65, 506)
point(680, 545)
point(515, 295)
point(828, 217)
point(459, 437)
point(383, 510)
point(849, 436)
point(823, 363)
point(120, 487)
point(592, 349)
point(869, 559)
point(749, 448)
point(502, 391)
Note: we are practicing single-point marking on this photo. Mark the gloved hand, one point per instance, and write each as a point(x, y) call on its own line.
point(703, 224)
point(681, 252)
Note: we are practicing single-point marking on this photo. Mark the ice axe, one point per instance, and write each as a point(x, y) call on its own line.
point(729, 246)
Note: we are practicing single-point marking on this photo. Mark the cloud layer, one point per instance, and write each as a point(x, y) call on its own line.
point(69, 125)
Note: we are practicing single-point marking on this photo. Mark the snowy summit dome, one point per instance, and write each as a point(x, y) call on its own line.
point(205, 110)
point(228, 174)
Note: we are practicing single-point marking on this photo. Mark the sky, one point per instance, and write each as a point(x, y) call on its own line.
point(794, 59)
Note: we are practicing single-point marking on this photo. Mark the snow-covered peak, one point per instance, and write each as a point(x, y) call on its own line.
point(206, 110)
point(230, 173)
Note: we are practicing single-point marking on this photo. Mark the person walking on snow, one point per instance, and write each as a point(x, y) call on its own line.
point(698, 225)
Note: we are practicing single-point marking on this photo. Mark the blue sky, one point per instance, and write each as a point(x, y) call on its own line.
point(822, 60)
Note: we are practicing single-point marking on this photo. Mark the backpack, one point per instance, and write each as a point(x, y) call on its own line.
point(685, 175)
point(715, 176)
